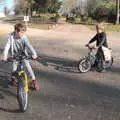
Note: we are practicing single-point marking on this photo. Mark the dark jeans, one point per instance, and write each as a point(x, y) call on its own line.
point(100, 54)
point(100, 57)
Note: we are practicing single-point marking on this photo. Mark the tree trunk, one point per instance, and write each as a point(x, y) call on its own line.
point(31, 12)
point(117, 11)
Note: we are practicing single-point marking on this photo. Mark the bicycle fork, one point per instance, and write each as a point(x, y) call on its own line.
point(25, 79)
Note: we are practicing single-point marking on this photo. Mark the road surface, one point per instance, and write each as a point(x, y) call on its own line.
point(65, 94)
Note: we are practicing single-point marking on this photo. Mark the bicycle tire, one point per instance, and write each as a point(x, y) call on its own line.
point(22, 92)
point(84, 62)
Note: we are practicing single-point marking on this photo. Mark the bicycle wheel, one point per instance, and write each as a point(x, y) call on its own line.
point(22, 91)
point(84, 65)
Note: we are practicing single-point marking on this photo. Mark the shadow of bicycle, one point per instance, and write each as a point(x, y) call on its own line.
point(8, 102)
point(61, 64)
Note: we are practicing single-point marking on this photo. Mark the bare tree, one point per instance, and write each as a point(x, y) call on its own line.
point(68, 5)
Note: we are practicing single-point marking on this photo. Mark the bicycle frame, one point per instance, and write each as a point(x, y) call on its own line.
point(20, 71)
point(91, 56)
point(22, 89)
point(22, 81)
point(26, 79)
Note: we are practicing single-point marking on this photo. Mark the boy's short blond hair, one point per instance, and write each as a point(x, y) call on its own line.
point(100, 27)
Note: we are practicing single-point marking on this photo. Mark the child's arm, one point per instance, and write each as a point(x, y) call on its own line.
point(93, 39)
point(6, 49)
point(103, 40)
point(27, 43)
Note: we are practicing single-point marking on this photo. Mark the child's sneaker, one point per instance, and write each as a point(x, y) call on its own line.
point(103, 71)
point(34, 85)
point(13, 82)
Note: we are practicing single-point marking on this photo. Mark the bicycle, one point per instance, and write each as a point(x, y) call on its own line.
point(21, 77)
point(92, 60)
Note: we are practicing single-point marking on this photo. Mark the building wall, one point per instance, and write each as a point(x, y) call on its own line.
point(2, 15)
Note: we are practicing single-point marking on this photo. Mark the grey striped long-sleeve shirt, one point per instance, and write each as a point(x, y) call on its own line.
point(14, 45)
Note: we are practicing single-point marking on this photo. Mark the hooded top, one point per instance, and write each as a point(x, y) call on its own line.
point(16, 45)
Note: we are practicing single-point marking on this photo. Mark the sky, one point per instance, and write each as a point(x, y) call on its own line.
point(9, 4)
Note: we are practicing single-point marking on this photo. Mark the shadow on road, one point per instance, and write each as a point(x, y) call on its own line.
point(9, 107)
point(4, 80)
point(62, 88)
point(115, 68)
point(60, 64)
point(67, 65)
point(79, 92)
point(10, 110)
point(6, 95)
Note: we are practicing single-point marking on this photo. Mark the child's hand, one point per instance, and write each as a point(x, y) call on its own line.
point(87, 45)
point(0, 58)
point(4, 59)
point(34, 56)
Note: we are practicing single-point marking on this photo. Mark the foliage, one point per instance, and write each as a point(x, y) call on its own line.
point(38, 6)
point(51, 6)
point(91, 6)
point(104, 11)
point(54, 6)
point(20, 6)
point(6, 11)
point(108, 27)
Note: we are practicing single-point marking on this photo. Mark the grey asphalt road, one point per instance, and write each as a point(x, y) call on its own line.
point(65, 94)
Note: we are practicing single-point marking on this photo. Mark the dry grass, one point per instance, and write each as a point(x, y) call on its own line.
point(108, 27)
point(40, 26)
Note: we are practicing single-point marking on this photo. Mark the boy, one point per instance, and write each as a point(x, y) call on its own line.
point(18, 42)
point(101, 40)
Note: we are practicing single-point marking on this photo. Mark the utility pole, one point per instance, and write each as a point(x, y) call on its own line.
point(117, 11)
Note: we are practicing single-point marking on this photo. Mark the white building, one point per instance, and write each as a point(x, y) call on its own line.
point(2, 15)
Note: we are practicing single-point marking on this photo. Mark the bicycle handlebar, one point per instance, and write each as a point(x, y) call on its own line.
point(90, 47)
point(18, 58)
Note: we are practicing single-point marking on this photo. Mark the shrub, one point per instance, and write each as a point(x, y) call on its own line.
point(105, 11)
